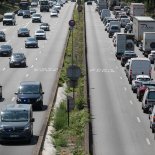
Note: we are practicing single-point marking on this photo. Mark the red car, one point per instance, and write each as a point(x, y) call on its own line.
point(141, 89)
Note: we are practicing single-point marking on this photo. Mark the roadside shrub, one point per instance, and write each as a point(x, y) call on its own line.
point(60, 119)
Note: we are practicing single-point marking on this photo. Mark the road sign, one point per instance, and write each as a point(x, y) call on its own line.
point(73, 72)
point(72, 23)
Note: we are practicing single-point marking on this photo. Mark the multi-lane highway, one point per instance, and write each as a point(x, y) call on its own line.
point(119, 127)
point(42, 65)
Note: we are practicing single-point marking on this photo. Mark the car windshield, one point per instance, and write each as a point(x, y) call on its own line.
point(23, 29)
point(44, 24)
point(17, 56)
point(5, 47)
point(1, 32)
point(151, 95)
point(40, 31)
point(36, 15)
point(7, 16)
point(31, 39)
point(14, 116)
point(143, 79)
point(29, 89)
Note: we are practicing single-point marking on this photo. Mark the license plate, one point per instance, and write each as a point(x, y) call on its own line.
point(14, 136)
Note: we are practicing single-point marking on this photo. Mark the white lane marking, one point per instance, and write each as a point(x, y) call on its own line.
point(21, 48)
point(36, 59)
point(138, 119)
point(148, 141)
point(27, 75)
point(27, 23)
point(39, 51)
point(8, 41)
point(131, 102)
point(4, 30)
point(121, 78)
point(125, 88)
point(4, 69)
point(13, 99)
point(32, 66)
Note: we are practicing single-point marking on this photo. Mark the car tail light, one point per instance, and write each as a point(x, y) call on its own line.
point(154, 118)
point(130, 71)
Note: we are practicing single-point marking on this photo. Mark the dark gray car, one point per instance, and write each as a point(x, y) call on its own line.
point(31, 42)
point(2, 36)
point(30, 92)
point(16, 123)
point(17, 60)
point(23, 32)
point(5, 50)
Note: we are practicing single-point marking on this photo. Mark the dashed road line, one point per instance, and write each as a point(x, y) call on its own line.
point(131, 102)
point(13, 99)
point(125, 88)
point(138, 119)
point(36, 59)
point(27, 75)
point(121, 78)
point(4, 69)
point(31, 66)
point(148, 141)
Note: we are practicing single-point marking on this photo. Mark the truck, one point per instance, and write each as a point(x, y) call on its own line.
point(102, 4)
point(148, 42)
point(137, 9)
point(44, 5)
point(142, 24)
point(24, 4)
point(112, 3)
point(124, 42)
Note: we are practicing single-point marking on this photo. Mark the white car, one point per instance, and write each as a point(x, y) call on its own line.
point(151, 56)
point(54, 13)
point(40, 34)
point(138, 81)
point(57, 6)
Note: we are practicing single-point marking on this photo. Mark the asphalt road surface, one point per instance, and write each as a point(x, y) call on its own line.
point(119, 126)
point(42, 65)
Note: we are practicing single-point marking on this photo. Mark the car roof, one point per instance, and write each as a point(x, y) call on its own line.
point(16, 107)
point(30, 83)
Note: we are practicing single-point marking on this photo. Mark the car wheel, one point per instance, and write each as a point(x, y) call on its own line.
point(144, 110)
point(10, 65)
point(153, 131)
point(25, 46)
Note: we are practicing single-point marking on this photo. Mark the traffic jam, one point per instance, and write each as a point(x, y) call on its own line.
point(129, 30)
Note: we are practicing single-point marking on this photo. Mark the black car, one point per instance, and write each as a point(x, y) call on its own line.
point(31, 42)
point(23, 32)
point(127, 55)
point(26, 14)
point(30, 92)
point(5, 50)
point(45, 26)
point(32, 10)
point(2, 36)
point(20, 12)
point(17, 60)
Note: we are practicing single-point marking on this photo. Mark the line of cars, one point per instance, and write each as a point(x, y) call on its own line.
point(137, 69)
point(16, 121)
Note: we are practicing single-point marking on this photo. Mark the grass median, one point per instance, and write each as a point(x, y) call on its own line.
point(70, 139)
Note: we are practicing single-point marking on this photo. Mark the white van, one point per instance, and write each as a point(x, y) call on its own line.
point(139, 66)
point(105, 13)
point(9, 18)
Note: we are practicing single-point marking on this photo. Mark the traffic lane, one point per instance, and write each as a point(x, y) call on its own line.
point(93, 88)
point(61, 42)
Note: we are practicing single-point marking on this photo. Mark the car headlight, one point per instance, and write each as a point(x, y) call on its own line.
point(38, 99)
point(18, 100)
point(27, 127)
point(1, 128)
